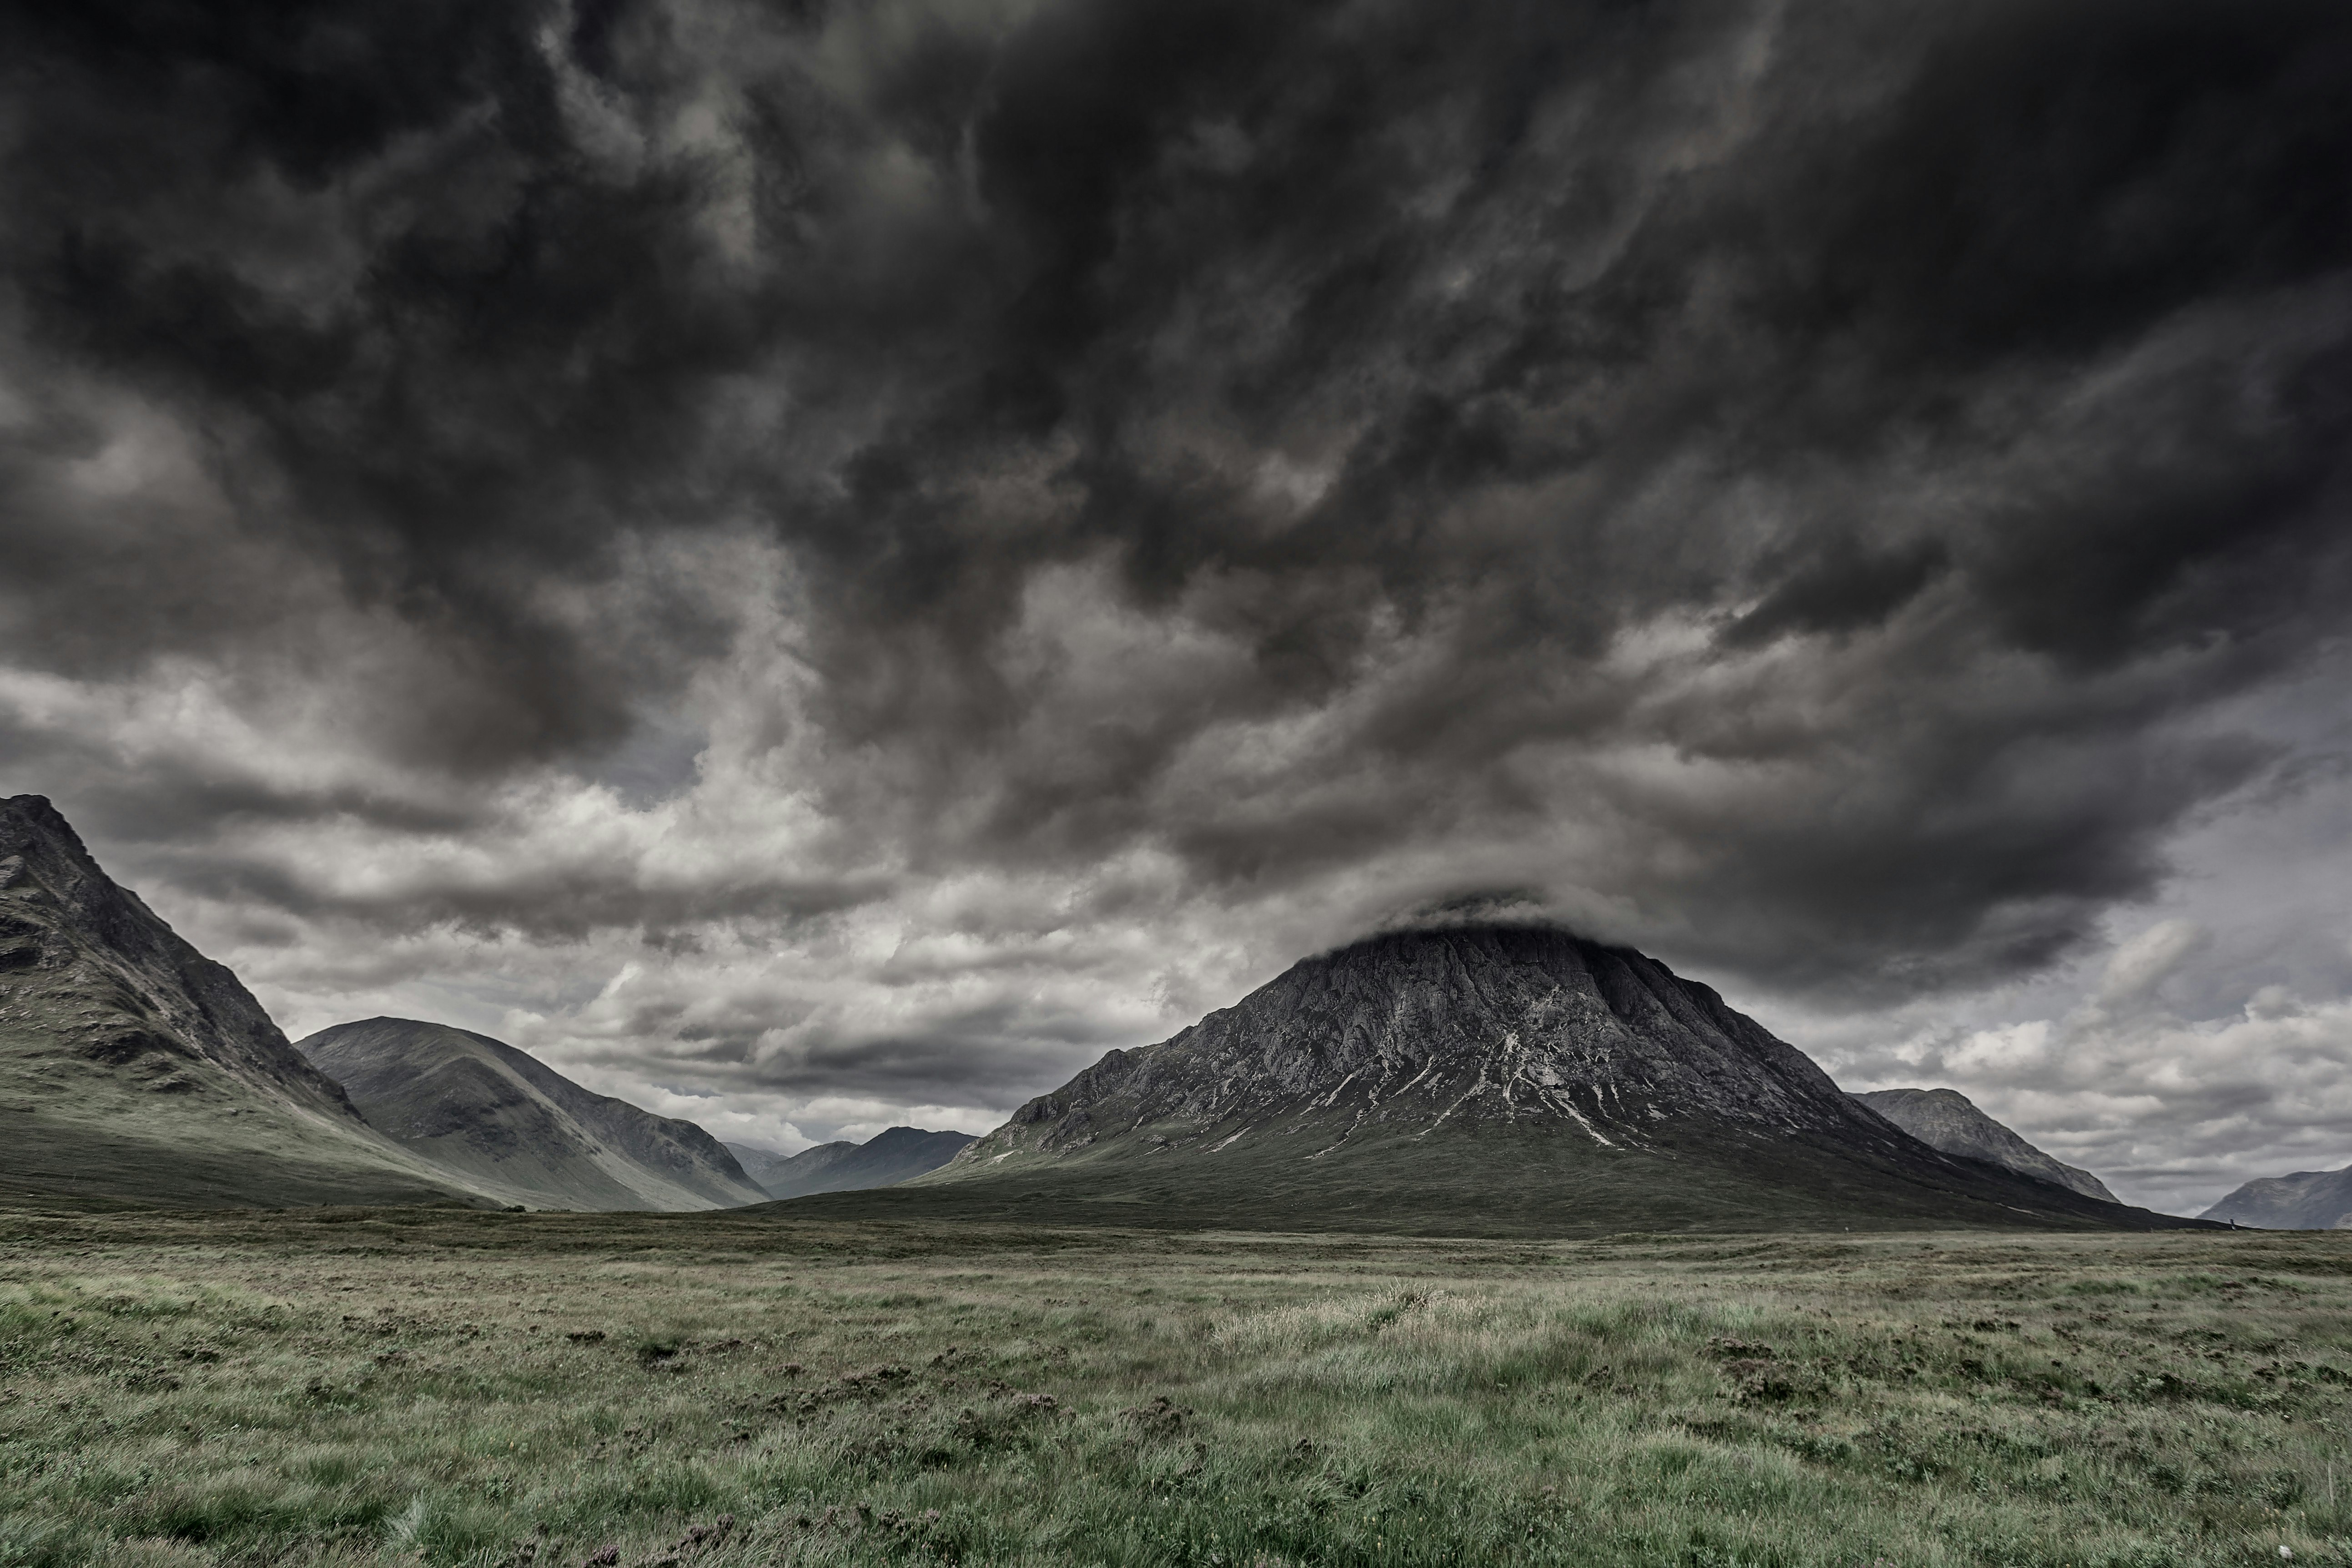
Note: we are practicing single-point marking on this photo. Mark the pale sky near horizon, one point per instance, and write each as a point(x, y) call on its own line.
point(819, 567)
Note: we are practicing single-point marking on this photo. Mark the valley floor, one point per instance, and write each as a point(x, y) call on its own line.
point(381, 1386)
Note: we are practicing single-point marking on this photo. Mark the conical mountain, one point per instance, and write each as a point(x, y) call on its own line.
point(1947, 1120)
point(2305, 1200)
point(133, 1067)
point(501, 1120)
point(1483, 1079)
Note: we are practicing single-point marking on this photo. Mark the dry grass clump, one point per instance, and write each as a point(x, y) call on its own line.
point(354, 1387)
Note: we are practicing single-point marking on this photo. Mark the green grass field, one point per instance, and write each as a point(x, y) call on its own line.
point(434, 1387)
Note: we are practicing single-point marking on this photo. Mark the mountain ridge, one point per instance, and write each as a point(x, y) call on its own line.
point(1947, 1120)
point(2301, 1200)
point(501, 1120)
point(893, 1155)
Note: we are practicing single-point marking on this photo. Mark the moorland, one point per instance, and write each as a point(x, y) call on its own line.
point(435, 1385)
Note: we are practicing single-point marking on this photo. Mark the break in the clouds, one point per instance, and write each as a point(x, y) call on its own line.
point(823, 564)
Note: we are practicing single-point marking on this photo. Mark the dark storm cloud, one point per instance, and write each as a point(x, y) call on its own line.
point(356, 247)
point(1971, 385)
point(544, 903)
point(962, 1057)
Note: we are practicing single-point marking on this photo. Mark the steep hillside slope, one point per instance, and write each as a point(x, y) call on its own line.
point(1947, 1120)
point(133, 1068)
point(505, 1122)
point(2306, 1200)
point(1500, 1079)
point(893, 1155)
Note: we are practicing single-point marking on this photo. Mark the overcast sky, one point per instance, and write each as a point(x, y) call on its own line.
point(820, 565)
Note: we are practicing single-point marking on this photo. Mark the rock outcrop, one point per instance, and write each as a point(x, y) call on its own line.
point(133, 1068)
point(504, 1121)
point(1947, 1120)
point(2306, 1200)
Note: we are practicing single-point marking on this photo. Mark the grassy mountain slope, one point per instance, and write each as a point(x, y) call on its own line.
point(133, 1068)
point(503, 1121)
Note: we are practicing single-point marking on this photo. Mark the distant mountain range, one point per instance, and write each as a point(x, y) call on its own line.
point(1499, 1078)
point(2306, 1200)
point(507, 1124)
point(894, 1155)
point(1947, 1120)
point(133, 1068)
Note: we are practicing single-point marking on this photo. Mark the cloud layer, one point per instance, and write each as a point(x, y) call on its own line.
point(828, 561)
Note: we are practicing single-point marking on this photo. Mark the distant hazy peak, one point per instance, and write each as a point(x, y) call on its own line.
point(2302, 1200)
point(892, 1155)
point(1947, 1120)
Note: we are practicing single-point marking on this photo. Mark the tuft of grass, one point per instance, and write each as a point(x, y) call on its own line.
point(437, 1387)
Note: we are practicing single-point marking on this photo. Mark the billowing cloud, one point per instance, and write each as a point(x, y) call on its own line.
point(2176, 1110)
point(858, 555)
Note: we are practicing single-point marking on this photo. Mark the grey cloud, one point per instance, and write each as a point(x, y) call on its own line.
point(963, 1057)
point(1808, 485)
point(993, 1053)
point(547, 904)
point(2175, 1112)
point(1845, 587)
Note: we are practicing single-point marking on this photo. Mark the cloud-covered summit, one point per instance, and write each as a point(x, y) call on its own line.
point(878, 549)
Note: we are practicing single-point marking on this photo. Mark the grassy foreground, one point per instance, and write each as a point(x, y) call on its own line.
point(430, 1386)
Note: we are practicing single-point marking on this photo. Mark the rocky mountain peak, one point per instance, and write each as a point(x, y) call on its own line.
point(160, 1002)
point(1466, 1080)
point(1458, 1026)
point(132, 1066)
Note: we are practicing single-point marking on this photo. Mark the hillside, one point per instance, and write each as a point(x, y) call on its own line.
point(893, 1155)
point(134, 1069)
point(502, 1120)
point(2306, 1200)
point(1947, 1120)
point(1490, 1079)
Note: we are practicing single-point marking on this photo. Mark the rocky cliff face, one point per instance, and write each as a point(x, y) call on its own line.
point(1474, 1073)
point(504, 1121)
point(1462, 1028)
point(1947, 1120)
point(134, 1067)
point(2307, 1200)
